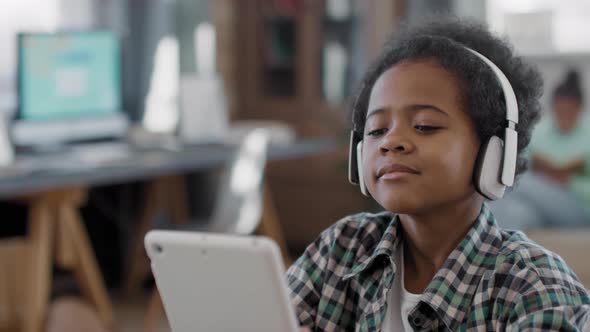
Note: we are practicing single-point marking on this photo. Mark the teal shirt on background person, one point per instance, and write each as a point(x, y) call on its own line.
point(562, 148)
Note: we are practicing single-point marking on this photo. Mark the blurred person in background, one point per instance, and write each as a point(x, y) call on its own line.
point(560, 149)
point(557, 191)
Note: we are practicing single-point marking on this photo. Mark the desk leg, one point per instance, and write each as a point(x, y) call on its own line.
point(39, 271)
point(177, 194)
point(270, 226)
point(154, 311)
point(163, 195)
point(86, 267)
point(13, 259)
point(137, 261)
point(65, 251)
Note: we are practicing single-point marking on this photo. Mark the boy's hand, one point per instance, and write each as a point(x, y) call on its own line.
point(559, 173)
point(561, 177)
point(543, 164)
point(304, 329)
point(575, 166)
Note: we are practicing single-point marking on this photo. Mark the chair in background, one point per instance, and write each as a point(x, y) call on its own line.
point(242, 205)
point(238, 206)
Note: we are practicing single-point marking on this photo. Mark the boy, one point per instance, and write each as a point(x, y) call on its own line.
point(429, 109)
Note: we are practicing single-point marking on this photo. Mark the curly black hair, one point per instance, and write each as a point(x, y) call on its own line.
point(443, 40)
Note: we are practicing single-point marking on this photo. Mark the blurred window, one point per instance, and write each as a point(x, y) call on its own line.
point(23, 15)
point(542, 26)
point(34, 16)
point(15, 16)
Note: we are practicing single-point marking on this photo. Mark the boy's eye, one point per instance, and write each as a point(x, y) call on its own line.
point(377, 132)
point(425, 129)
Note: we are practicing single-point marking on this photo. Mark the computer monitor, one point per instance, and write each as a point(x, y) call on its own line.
point(69, 88)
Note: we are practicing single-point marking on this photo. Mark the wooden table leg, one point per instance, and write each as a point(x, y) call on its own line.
point(55, 215)
point(65, 251)
point(86, 267)
point(137, 261)
point(163, 195)
point(40, 240)
point(174, 200)
point(7, 314)
point(154, 311)
point(13, 258)
point(177, 194)
point(270, 226)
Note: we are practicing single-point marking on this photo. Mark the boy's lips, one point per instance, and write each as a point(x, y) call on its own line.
point(396, 170)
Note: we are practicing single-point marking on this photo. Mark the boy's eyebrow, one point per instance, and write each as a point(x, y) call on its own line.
point(417, 107)
point(377, 111)
point(412, 108)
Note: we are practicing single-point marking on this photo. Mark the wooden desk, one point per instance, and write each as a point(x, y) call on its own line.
point(55, 194)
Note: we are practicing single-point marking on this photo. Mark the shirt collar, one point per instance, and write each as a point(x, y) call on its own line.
point(449, 293)
point(389, 240)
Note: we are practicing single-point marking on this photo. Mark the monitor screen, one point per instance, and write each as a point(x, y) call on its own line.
point(68, 75)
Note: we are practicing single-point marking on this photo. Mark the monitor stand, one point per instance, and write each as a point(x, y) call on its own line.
point(46, 135)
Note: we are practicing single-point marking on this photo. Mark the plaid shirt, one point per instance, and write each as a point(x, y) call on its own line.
point(494, 280)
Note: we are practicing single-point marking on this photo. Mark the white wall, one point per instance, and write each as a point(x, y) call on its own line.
point(559, 25)
point(15, 16)
point(77, 14)
point(35, 15)
point(470, 8)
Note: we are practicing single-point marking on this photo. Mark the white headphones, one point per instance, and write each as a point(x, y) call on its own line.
point(495, 167)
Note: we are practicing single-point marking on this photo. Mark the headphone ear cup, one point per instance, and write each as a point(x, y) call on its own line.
point(488, 166)
point(359, 161)
point(353, 172)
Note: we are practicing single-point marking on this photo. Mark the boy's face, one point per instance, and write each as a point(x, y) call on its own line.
point(419, 147)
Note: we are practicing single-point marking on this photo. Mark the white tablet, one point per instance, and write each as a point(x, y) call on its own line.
point(213, 282)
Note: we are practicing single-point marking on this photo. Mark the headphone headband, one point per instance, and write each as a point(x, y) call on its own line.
point(510, 134)
point(508, 91)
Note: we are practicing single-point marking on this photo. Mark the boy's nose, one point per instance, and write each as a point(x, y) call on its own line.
point(396, 143)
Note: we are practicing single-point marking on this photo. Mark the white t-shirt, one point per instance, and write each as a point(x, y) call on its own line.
point(400, 302)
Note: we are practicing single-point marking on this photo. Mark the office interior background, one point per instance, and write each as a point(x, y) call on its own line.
point(130, 115)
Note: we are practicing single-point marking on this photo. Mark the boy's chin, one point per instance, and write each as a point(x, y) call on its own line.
point(411, 201)
point(402, 206)
point(419, 203)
